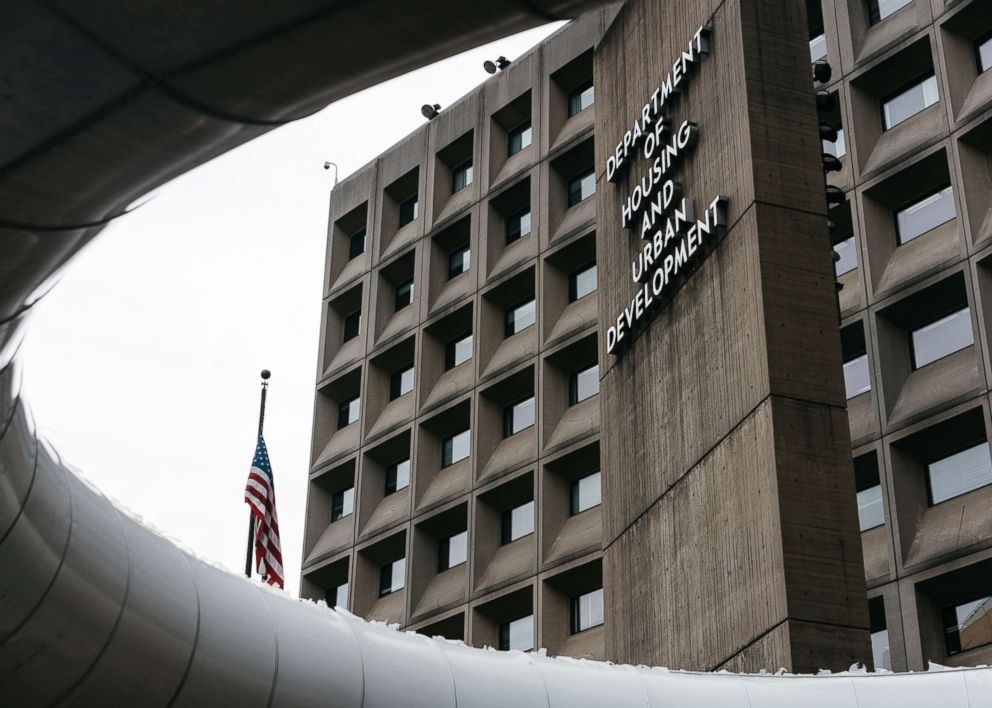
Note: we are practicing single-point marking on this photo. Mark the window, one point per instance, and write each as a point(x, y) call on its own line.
point(580, 98)
point(878, 10)
point(348, 412)
point(581, 187)
point(583, 384)
point(518, 226)
point(908, 102)
point(455, 448)
point(397, 476)
point(818, 47)
point(581, 283)
point(959, 473)
point(940, 338)
point(459, 262)
point(879, 634)
point(871, 510)
point(856, 378)
point(337, 596)
point(517, 634)
point(848, 253)
point(519, 138)
point(585, 493)
point(587, 611)
point(520, 317)
point(837, 148)
point(356, 244)
point(392, 577)
point(968, 625)
point(409, 209)
point(518, 416)
point(926, 214)
point(457, 352)
point(984, 50)
point(400, 383)
point(404, 294)
point(342, 503)
point(352, 323)
point(452, 551)
point(461, 176)
point(517, 522)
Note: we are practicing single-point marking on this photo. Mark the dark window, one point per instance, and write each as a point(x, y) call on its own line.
point(580, 98)
point(871, 508)
point(356, 244)
point(517, 522)
point(518, 226)
point(856, 377)
point(925, 214)
point(457, 351)
point(585, 493)
point(461, 176)
point(455, 448)
point(400, 383)
point(581, 282)
point(879, 634)
point(392, 577)
point(848, 252)
point(459, 262)
point(968, 625)
point(587, 611)
point(959, 473)
point(352, 323)
point(397, 476)
point(520, 317)
point(409, 209)
point(348, 412)
point(581, 187)
point(983, 48)
point(519, 138)
point(337, 596)
point(404, 294)
point(941, 337)
point(517, 634)
point(583, 384)
point(909, 101)
point(518, 416)
point(342, 503)
point(452, 551)
point(878, 10)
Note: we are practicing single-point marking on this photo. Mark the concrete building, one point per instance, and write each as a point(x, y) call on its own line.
point(459, 430)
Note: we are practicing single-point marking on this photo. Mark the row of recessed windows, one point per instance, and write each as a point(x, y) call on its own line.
point(920, 216)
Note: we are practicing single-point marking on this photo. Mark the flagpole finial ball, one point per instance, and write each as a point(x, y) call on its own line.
point(266, 374)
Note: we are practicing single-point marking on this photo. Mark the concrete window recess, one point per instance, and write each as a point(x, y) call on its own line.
point(942, 337)
point(585, 493)
point(511, 132)
point(959, 473)
point(925, 214)
point(880, 653)
point(587, 610)
point(346, 244)
point(909, 101)
point(517, 635)
point(878, 10)
point(968, 625)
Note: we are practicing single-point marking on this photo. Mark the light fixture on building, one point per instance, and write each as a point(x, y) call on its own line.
point(828, 133)
point(831, 163)
point(822, 71)
point(492, 67)
point(835, 195)
point(430, 111)
point(826, 102)
point(328, 165)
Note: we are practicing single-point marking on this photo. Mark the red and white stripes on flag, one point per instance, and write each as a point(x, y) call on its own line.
point(260, 495)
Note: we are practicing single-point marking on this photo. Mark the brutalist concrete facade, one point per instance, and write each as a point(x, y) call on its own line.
point(923, 558)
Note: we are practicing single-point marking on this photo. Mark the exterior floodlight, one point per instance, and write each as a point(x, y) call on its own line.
point(822, 71)
point(492, 67)
point(429, 112)
point(825, 101)
point(489, 66)
point(831, 163)
point(828, 133)
point(835, 195)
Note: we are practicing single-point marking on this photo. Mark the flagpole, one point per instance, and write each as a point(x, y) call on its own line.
point(251, 517)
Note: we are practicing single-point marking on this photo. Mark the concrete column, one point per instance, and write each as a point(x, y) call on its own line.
point(730, 523)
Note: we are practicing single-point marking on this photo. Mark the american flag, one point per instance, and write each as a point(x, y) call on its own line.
point(260, 495)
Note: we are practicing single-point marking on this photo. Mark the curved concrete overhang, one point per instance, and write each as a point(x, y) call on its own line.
point(99, 103)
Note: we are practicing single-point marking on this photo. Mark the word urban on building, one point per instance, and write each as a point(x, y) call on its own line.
point(675, 236)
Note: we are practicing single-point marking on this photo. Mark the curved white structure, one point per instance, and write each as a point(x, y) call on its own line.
point(97, 610)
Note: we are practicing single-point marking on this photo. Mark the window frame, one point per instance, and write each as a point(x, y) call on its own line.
point(451, 352)
point(345, 408)
point(465, 263)
point(509, 412)
point(904, 89)
point(518, 215)
point(396, 380)
point(906, 206)
point(957, 451)
point(342, 494)
point(576, 95)
point(506, 534)
point(356, 317)
point(955, 309)
point(465, 168)
point(352, 254)
point(579, 178)
point(449, 442)
point(573, 282)
point(403, 290)
point(519, 130)
point(384, 591)
point(573, 385)
point(574, 497)
point(405, 218)
point(575, 612)
point(506, 317)
point(444, 552)
point(392, 478)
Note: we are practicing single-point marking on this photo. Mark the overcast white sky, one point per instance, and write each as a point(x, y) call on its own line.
point(143, 365)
